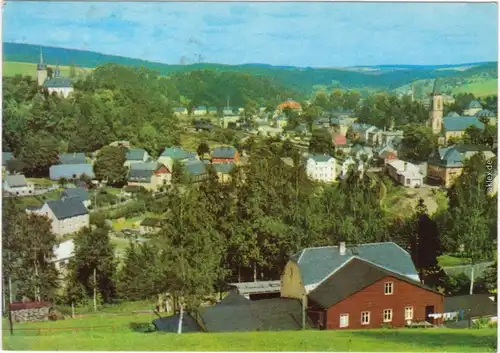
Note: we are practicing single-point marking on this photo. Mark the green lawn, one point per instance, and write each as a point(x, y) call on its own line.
point(38, 200)
point(126, 339)
point(128, 223)
point(113, 191)
point(41, 181)
point(449, 261)
point(480, 88)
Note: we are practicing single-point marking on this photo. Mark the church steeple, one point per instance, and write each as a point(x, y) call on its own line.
point(41, 70)
point(436, 112)
point(41, 65)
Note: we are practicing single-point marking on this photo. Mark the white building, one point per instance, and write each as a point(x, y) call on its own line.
point(68, 215)
point(18, 185)
point(407, 174)
point(321, 168)
point(63, 252)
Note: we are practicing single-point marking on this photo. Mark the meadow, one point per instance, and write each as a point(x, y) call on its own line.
point(127, 335)
point(480, 88)
point(12, 68)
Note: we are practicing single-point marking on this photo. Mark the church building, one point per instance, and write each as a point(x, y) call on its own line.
point(56, 83)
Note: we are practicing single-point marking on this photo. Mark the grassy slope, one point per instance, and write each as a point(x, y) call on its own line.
point(449, 261)
point(479, 88)
point(11, 68)
point(430, 340)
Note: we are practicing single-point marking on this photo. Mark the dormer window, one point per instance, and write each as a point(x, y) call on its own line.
point(388, 288)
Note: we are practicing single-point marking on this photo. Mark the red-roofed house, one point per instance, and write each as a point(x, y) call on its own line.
point(290, 104)
point(340, 142)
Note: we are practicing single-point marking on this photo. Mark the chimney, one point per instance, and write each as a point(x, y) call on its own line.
point(404, 167)
point(342, 248)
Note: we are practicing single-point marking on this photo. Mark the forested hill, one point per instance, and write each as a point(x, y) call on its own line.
point(300, 79)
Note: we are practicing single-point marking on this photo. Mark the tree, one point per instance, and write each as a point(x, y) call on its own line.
point(202, 149)
point(94, 252)
point(109, 165)
point(321, 143)
point(418, 143)
point(38, 153)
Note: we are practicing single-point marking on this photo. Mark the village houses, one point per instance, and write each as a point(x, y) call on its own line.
point(18, 185)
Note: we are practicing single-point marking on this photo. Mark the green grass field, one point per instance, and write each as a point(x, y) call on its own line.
point(11, 68)
point(128, 223)
point(449, 261)
point(126, 339)
point(480, 88)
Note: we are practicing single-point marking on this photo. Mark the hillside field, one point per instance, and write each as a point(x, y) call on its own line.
point(480, 88)
point(11, 68)
point(380, 340)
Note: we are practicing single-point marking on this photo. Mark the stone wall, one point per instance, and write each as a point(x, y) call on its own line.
point(30, 311)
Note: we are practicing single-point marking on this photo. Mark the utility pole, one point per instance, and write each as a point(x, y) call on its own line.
point(95, 291)
point(304, 307)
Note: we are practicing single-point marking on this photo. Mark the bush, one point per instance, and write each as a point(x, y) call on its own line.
point(482, 322)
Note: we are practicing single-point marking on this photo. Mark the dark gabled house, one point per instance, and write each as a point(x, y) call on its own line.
point(475, 306)
point(80, 193)
point(196, 170)
point(362, 286)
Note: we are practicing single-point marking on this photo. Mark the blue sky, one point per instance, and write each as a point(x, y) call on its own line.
point(298, 34)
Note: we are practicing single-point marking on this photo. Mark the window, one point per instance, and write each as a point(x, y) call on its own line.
point(388, 288)
point(365, 318)
point(409, 313)
point(387, 315)
point(344, 320)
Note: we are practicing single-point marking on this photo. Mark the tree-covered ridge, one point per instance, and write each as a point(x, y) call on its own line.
point(301, 79)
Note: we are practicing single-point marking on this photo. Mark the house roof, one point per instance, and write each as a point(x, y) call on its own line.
point(486, 113)
point(339, 139)
point(475, 105)
point(57, 82)
point(67, 171)
point(72, 158)
point(316, 264)
point(17, 180)
point(141, 172)
point(212, 109)
point(355, 275)
point(6, 156)
point(224, 168)
point(64, 250)
point(479, 304)
point(80, 193)
point(290, 104)
point(201, 107)
point(461, 123)
point(135, 154)
point(233, 298)
point(67, 207)
point(452, 115)
point(320, 158)
point(454, 156)
point(196, 168)
point(247, 288)
point(224, 152)
point(180, 109)
point(258, 315)
point(176, 153)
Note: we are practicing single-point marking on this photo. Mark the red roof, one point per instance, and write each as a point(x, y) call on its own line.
point(339, 139)
point(290, 104)
point(28, 305)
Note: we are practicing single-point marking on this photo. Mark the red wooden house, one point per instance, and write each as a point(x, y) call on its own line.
point(363, 286)
point(225, 154)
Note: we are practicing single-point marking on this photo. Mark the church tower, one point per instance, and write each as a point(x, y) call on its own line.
point(436, 112)
point(41, 70)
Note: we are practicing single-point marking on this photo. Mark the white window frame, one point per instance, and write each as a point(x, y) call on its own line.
point(367, 322)
point(388, 285)
point(389, 312)
point(409, 309)
point(340, 320)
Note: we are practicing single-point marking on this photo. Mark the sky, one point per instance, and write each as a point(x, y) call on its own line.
point(293, 34)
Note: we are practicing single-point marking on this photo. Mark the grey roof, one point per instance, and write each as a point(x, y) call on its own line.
point(176, 153)
point(16, 180)
point(224, 152)
point(258, 315)
point(454, 156)
point(6, 156)
point(69, 171)
point(461, 123)
point(452, 114)
point(80, 193)
point(247, 288)
point(67, 207)
point(479, 305)
point(57, 82)
point(171, 324)
point(316, 264)
point(354, 276)
point(135, 154)
point(320, 158)
point(486, 113)
point(179, 109)
point(72, 158)
point(475, 104)
point(140, 175)
point(196, 168)
point(224, 168)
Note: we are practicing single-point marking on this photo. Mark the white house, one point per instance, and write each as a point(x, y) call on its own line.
point(68, 214)
point(321, 168)
point(63, 252)
point(405, 173)
point(18, 185)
